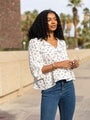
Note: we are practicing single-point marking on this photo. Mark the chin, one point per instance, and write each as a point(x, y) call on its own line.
point(52, 30)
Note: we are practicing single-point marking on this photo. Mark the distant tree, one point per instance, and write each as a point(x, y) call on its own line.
point(24, 28)
point(63, 20)
point(27, 13)
point(79, 31)
point(66, 31)
point(69, 21)
point(30, 17)
point(34, 14)
point(86, 11)
point(85, 33)
point(75, 4)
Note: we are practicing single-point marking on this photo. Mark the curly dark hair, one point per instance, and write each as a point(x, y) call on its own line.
point(40, 28)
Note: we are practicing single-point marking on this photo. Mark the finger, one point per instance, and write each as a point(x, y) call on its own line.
point(77, 61)
point(70, 65)
point(76, 65)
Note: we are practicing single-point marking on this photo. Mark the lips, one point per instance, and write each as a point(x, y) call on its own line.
point(53, 26)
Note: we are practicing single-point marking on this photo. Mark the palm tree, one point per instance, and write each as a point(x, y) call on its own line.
point(84, 32)
point(34, 14)
point(27, 13)
point(79, 31)
point(85, 24)
point(27, 20)
point(24, 28)
point(63, 20)
point(75, 4)
point(66, 32)
point(69, 22)
point(86, 11)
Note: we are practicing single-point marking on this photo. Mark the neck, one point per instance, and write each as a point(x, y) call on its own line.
point(51, 37)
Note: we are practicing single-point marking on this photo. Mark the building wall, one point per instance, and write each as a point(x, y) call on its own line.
point(10, 24)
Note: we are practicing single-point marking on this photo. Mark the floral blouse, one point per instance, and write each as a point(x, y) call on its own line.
point(43, 53)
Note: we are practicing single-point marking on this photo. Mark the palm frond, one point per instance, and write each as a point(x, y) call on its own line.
point(69, 5)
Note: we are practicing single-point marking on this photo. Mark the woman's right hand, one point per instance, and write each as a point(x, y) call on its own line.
point(64, 64)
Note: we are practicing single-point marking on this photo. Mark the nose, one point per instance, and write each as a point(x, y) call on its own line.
point(53, 21)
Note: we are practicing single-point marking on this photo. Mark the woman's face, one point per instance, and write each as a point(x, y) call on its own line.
point(52, 22)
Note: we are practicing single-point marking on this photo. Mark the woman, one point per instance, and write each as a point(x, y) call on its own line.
point(51, 67)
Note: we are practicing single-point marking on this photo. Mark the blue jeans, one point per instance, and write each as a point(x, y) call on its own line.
point(61, 95)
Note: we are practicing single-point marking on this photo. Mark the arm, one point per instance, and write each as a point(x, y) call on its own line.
point(67, 64)
point(35, 59)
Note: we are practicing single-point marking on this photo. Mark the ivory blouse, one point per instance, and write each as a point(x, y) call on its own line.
point(43, 53)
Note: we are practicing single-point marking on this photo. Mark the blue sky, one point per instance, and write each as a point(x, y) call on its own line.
point(56, 5)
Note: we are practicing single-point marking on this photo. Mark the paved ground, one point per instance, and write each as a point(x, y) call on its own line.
point(27, 107)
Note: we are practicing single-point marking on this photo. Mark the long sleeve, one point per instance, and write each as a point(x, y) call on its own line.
point(35, 59)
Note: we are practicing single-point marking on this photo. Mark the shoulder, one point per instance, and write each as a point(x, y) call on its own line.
point(34, 41)
point(62, 42)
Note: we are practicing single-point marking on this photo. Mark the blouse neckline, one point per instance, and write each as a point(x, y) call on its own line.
point(51, 44)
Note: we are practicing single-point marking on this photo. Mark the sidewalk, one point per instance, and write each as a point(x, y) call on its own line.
point(27, 107)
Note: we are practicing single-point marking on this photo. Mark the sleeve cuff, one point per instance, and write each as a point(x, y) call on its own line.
point(39, 75)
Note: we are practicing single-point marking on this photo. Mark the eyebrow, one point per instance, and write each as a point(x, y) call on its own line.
point(50, 17)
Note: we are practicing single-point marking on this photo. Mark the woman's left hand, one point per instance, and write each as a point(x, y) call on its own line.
point(75, 64)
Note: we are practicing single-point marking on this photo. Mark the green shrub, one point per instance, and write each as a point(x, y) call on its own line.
point(88, 46)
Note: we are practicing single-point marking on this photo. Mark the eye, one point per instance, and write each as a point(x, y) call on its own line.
point(55, 19)
point(48, 19)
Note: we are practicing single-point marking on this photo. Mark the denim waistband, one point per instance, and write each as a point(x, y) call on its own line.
point(60, 81)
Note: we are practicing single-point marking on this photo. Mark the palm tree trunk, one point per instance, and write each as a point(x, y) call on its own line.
point(85, 26)
point(83, 43)
point(63, 25)
point(75, 25)
point(28, 25)
point(75, 35)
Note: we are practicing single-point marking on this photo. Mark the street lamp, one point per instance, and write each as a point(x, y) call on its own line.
point(24, 45)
